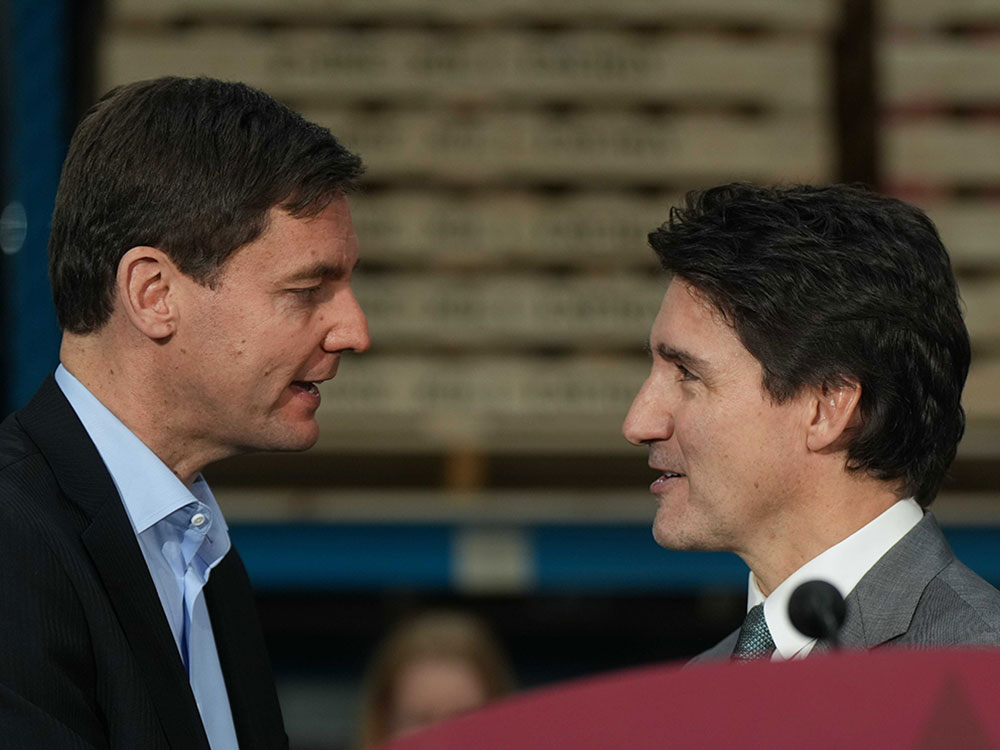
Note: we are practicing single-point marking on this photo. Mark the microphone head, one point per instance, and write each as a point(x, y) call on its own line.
point(817, 609)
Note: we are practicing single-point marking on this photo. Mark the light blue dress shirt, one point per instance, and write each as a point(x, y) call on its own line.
point(182, 535)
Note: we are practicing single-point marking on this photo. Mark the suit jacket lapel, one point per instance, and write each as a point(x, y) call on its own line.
point(110, 540)
point(720, 651)
point(243, 656)
point(881, 606)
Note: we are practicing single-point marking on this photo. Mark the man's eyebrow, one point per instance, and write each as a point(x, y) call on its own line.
point(332, 271)
point(670, 354)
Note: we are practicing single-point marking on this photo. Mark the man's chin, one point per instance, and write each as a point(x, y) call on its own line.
point(300, 438)
point(667, 539)
point(672, 533)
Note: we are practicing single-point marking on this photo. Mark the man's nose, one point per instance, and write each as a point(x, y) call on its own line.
point(649, 418)
point(349, 326)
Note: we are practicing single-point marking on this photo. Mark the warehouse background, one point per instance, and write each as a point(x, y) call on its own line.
point(518, 153)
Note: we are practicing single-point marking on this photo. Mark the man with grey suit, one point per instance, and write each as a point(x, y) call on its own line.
point(803, 406)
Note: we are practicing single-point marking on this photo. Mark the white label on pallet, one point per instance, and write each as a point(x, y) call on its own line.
point(427, 228)
point(485, 384)
point(608, 147)
point(931, 71)
point(417, 310)
point(942, 151)
point(488, 560)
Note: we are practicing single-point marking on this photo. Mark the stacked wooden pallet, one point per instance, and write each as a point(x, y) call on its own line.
point(940, 88)
point(518, 153)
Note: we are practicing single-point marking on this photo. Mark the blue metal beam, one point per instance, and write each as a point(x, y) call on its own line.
point(584, 558)
point(36, 133)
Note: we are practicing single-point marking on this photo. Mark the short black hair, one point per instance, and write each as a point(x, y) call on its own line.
point(830, 284)
point(191, 166)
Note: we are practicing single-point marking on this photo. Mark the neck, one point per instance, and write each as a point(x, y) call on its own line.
point(122, 378)
point(789, 543)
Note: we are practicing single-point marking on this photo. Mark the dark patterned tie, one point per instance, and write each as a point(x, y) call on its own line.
point(755, 640)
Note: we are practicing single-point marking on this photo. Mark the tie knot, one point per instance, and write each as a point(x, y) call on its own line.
point(755, 640)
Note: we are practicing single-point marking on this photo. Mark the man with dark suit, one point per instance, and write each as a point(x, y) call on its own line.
point(200, 258)
point(803, 406)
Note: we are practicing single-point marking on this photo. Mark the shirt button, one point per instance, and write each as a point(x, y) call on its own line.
point(198, 520)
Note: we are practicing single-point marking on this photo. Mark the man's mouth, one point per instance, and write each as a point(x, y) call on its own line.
point(666, 480)
point(308, 387)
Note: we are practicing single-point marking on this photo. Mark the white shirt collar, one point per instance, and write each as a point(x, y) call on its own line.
point(843, 565)
point(149, 490)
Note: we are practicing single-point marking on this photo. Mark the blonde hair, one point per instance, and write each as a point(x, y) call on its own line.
point(446, 635)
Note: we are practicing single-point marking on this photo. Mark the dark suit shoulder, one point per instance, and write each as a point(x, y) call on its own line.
point(46, 681)
point(31, 500)
point(15, 445)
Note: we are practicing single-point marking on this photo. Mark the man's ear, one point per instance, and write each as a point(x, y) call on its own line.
point(834, 413)
point(143, 283)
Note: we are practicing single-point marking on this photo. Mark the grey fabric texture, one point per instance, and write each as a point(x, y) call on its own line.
point(918, 595)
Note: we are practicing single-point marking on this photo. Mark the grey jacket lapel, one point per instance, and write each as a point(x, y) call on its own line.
point(720, 651)
point(881, 606)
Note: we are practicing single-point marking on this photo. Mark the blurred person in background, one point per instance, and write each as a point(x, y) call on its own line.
point(200, 259)
point(433, 667)
point(803, 406)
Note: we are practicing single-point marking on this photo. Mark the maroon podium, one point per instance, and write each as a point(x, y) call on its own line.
point(886, 699)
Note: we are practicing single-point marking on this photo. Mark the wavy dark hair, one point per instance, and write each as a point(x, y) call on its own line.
point(825, 285)
point(191, 166)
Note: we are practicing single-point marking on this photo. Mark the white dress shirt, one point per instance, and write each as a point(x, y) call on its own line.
point(182, 535)
point(843, 565)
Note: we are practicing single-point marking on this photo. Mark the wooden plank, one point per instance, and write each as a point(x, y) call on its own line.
point(490, 402)
point(504, 507)
point(939, 13)
point(981, 397)
point(516, 385)
point(421, 66)
point(517, 507)
point(942, 151)
point(510, 310)
point(982, 315)
point(425, 228)
point(969, 228)
point(940, 71)
point(802, 14)
point(502, 146)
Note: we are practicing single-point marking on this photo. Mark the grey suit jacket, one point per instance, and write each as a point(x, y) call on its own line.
point(917, 595)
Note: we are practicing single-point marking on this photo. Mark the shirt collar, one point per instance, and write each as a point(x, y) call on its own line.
point(844, 565)
point(149, 490)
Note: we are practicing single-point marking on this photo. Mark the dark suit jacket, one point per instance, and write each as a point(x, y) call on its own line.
point(87, 659)
point(917, 595)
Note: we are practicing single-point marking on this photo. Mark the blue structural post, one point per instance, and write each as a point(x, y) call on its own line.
point(36, 132)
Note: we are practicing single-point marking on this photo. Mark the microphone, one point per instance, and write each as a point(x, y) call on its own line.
point(817, 610)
